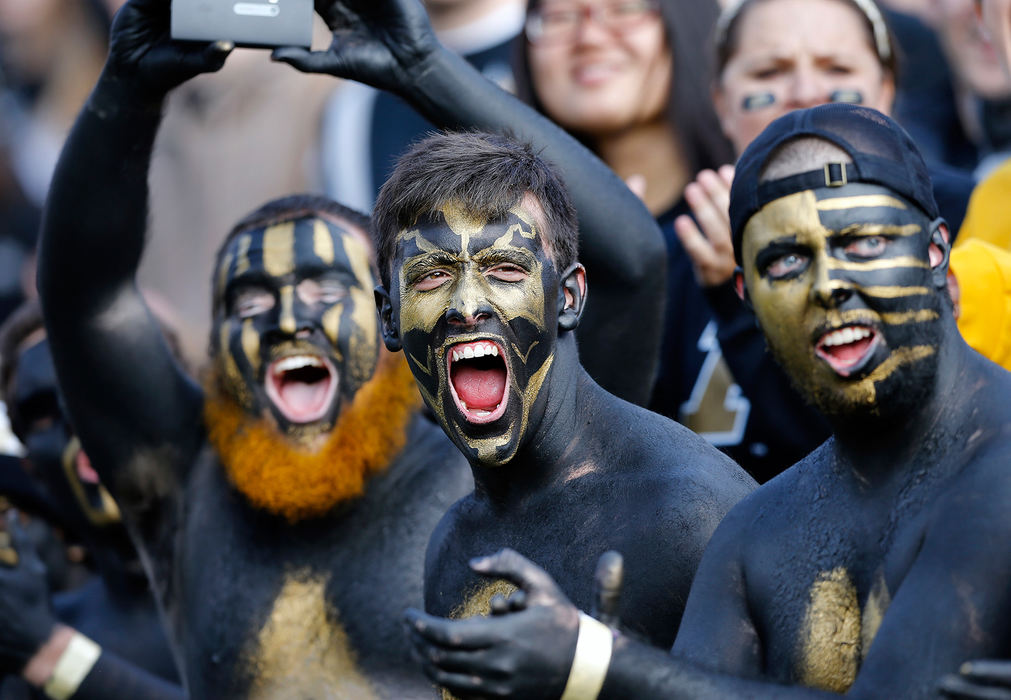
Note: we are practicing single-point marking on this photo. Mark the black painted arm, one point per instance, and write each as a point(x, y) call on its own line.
point(111, 677)
point(132, 405)
point(390, 45)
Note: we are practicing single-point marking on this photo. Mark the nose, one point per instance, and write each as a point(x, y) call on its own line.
point(829, 293)
point(806, 89)
point(468, 305)
point(291, 320)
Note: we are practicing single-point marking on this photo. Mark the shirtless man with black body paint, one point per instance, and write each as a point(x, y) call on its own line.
point(879, 562)
point(114, 608)
point(248, 521)
point(482, 290)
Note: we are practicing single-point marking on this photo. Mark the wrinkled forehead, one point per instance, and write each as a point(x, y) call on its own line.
point(304, 246)
point(452, 230)
point(854, 209)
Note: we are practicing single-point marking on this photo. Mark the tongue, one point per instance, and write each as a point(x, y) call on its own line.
point(479, 388)
point(301, 398)
point(850, 353)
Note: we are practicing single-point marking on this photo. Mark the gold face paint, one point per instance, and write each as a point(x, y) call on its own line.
point(279, 249)
point(364, 339)
point(807, 280)
point(242, 257)
point(493, 279)
point(303, 651)
point(106, 512)
point(322, 242)
point(287, 322)
point(251, 345)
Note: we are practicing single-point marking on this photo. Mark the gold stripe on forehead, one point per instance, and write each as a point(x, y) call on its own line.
point(879, 264)
point(242, 257)
point(358, 255)
point(322, 241)
point(279, 249)
point(524, 216)
point(462, 223)
point(881, 229)
point(425, 245)
point(860, 201)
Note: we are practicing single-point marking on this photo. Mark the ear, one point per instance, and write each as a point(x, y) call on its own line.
point(573, 297)
point(742, 291)
point(391, 334)
point(939, 252)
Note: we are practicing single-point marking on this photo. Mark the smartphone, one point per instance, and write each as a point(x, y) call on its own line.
point(253, 23)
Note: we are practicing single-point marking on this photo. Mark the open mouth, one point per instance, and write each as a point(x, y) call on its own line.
point(847, 350)
point(478, 380)
point(302, 387)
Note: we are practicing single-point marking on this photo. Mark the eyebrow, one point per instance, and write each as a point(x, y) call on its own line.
point(869, 230)
point(513, 255)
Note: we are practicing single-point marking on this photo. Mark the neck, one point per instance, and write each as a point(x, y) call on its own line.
point(453, 15)
point(878, 448)
point(653, 152)
point(553, 448)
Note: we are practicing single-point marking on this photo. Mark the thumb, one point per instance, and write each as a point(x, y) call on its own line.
point(607, 583)
point(215, 55)
point(517, 569)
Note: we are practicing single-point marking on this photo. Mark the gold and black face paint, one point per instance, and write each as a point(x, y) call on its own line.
point(295, 333)
point(477, 305)
point(842, 284)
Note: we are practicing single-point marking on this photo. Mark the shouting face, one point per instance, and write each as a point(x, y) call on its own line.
point(296, 333)
point(844, 282)
point(476, 303)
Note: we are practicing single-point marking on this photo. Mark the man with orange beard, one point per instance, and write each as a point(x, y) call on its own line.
point(282, 510)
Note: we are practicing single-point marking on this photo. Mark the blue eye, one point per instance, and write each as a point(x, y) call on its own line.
point(870, 247)
point(786, 265)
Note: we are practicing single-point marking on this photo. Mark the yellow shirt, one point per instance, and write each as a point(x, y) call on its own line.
point(983, 272)
point(988, 217)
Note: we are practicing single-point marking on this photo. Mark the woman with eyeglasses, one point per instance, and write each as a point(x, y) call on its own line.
point(631, 79)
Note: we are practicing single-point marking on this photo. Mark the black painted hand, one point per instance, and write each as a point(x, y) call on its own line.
point(383, 43)
point(526, 653)
point(980, 680)
point(142, 52)
point(24, 600)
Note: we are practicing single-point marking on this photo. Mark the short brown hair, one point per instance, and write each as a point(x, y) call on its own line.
point(487, 175)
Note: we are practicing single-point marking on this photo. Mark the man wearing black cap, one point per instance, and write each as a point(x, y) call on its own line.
point(879, 562)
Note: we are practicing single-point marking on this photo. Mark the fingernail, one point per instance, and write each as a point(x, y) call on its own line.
point(224, 45)
point(966, 668)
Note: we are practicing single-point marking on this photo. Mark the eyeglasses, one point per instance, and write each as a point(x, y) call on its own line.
point(559, 23)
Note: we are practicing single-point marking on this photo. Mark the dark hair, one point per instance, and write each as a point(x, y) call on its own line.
point(882, 40)
point(288, 208)
point(688, 25)
point(485, 174)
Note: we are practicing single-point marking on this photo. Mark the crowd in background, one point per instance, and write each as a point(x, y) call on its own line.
point(694, 88)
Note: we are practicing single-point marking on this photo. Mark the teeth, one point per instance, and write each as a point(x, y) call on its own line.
point(845, 336)
point(297, 362)
point(473, 351)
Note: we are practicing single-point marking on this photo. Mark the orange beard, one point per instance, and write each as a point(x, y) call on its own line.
point(281, 478)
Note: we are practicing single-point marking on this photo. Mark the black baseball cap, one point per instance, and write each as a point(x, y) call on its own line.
point(882, 152)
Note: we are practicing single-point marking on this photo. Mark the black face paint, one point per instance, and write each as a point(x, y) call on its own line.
point(296, 333)
point(476, 304)
point(841, 281)
point(761, 100)
point(853, 97)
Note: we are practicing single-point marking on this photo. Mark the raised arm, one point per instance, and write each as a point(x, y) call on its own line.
point(389, 44)
point(135, 410)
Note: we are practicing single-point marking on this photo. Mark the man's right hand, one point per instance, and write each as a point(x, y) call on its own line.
point(382, 43)
point(142, 53)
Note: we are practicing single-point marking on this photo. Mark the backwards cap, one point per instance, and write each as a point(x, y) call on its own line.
point(882, 152)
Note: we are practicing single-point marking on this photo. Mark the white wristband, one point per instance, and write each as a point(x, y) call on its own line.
point(73, 667)
point(592, 659)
